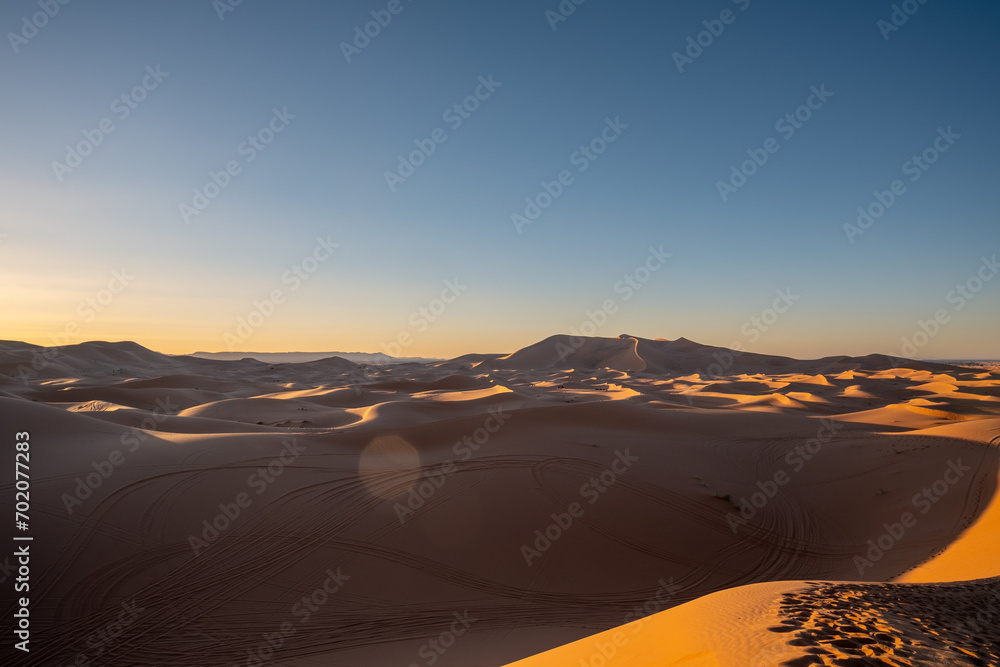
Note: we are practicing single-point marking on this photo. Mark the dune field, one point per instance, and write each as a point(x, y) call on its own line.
point(581, 501)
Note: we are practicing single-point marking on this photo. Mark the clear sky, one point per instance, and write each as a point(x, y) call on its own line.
point(115, 113)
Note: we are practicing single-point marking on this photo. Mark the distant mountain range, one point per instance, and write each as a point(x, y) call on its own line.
point(560, 352)
point(376, 358)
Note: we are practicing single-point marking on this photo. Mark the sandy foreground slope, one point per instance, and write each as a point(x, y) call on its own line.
point(482, 510)
point(806, 623)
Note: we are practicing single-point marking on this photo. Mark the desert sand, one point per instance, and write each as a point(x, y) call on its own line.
point(596, 501)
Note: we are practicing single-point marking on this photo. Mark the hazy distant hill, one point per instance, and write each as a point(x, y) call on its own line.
point(631, 353)
point(300, 357)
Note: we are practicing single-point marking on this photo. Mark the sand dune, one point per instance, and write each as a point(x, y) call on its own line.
point(806, 623)
point(505, 505)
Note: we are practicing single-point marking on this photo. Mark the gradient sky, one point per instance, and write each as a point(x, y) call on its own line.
point(323, 176)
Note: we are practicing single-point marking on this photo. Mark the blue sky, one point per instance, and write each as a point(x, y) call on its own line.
point(323, 175)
